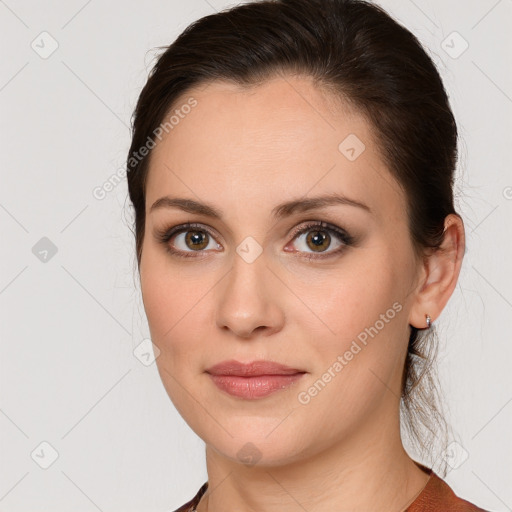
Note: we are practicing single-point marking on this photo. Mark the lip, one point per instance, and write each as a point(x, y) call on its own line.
point(254, 368)
point(253, 380)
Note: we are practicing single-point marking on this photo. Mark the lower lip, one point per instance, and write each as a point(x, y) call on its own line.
point(258, 386)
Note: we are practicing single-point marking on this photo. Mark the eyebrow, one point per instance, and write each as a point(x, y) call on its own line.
point(280, 211)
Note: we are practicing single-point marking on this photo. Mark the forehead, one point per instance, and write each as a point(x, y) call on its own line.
point(281, 140)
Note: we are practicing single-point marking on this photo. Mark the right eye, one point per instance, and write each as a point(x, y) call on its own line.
point(195, 237)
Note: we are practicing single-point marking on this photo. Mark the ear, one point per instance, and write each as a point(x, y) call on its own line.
point(439, 274)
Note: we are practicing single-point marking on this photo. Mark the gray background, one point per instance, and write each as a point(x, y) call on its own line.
point(70, 322)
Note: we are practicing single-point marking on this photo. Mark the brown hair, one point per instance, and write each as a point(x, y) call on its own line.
point(354, 49)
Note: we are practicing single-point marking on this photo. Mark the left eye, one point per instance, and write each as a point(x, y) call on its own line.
point(318, 239)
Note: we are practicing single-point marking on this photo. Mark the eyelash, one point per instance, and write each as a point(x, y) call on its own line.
point(165, 235)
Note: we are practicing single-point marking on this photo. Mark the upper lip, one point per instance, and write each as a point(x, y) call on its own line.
point(253, 368)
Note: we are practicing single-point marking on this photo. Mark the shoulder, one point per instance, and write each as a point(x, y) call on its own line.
point(191, 505)
point(437, 496)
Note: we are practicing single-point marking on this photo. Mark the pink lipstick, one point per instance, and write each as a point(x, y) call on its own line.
point(253, 380)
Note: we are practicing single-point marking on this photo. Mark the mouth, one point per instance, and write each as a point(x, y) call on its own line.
point(253, 380)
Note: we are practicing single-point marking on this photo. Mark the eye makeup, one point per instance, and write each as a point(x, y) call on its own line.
point(166, 235)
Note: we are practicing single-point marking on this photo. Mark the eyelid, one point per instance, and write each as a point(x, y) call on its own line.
point(166, 234)
point(306, 225)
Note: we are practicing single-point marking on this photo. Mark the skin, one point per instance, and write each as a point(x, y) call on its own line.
point(244, 151)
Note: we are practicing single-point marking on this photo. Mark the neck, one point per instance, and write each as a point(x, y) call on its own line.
point(368, 470)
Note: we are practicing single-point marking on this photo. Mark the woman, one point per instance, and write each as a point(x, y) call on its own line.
point(291, 172)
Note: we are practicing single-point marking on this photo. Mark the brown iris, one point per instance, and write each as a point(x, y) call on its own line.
point(317, 238)
point(195, 238)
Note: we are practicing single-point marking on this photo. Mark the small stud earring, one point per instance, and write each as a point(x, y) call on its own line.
point(429, 321)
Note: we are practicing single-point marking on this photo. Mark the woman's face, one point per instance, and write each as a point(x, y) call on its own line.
point(335, 307)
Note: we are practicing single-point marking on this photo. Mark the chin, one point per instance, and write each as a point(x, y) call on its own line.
point(251, 446)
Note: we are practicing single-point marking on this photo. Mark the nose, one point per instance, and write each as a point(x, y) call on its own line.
point(249, 300)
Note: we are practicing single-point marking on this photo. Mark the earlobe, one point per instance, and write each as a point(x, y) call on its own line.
point(441, 270)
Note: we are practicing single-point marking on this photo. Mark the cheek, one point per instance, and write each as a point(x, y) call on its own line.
point(169, 292)
point(356, 334)
point(170, 302)
point(345, 300)
point(173, 305)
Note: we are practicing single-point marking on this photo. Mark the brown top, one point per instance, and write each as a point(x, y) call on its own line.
point(436, 496)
